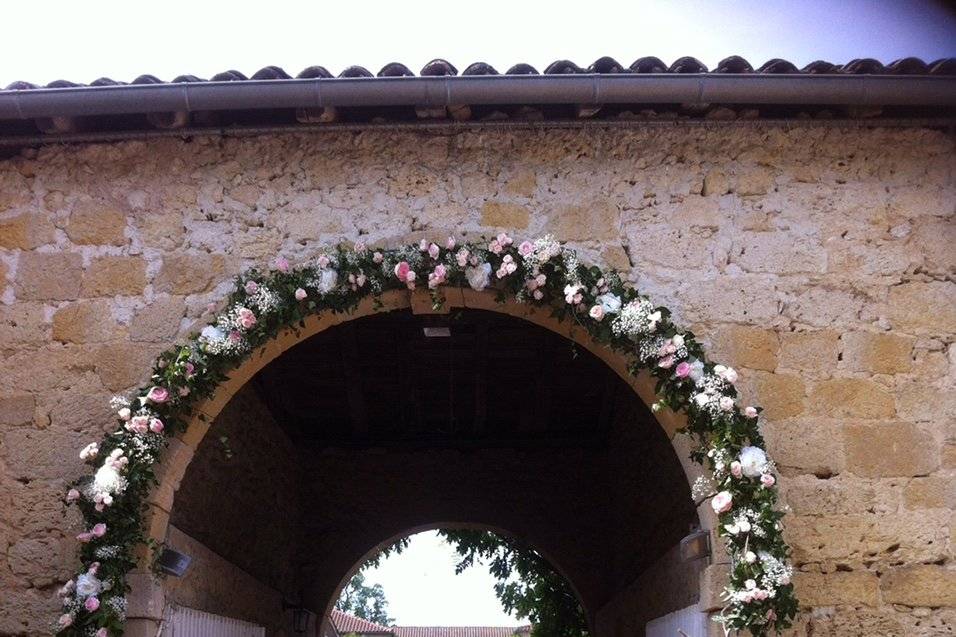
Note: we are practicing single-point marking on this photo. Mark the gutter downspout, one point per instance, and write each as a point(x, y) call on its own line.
point(586, 89)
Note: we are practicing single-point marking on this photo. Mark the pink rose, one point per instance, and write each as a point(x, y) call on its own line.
point(495, 246)
point(462, 257)
point(597, 312)
point(750, 412)
point(378, 257)
point(538, 295)
point(156, 426)
point(423, 245)
point(451, 243)
point(282, 264)
point(683, 370)
point(235, 337)
point(246, 318)
point(360, 246)
point(401, 270)
point(722, 502)
point(360, 280)
point(190, 369)
point(157, 395)
point(124, 413)
point(91, 604)
point(138, 424)
point(323, 261)
point(504, 239)
point(85, 537)
point(72, 495)
point(251, 287)
point(434, 251)
point(726, 403)
point(183, 392)
point(760, 594)
point(94, 567)
point(767, 480)
point(65, 620)
point(525, 248)
point(736, 470)
point(300, 294)
point(99, 529)
point(102, 632)
point(666, 363)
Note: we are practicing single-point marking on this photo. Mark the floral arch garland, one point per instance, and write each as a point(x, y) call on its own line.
point(759, 596)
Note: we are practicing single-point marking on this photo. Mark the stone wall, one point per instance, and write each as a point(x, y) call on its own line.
point(818, 260)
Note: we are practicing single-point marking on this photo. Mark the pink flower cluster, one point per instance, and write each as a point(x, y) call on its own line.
point(437, 276)
point(508, 266)
point(535, 283)
point(98, 531)
point(143, 423)
point(405, 274)
point(500, 243)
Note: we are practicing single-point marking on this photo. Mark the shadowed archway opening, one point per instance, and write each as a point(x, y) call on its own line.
point(395, 421)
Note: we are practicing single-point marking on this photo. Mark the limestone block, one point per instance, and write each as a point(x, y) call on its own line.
point(757, 181)
point(162, 230)
point(932, 492)
point(778, 253)
point(851, 397)
point(49, 276)
point(112, 275)
point(159, 321)
point(876, 352)
point(183, 273)
point(522, 183)
point(923, 308)
point(504, 214)
point(781, 395)
point(41, 561)
point(23, 324)
point(832, 589)
point(920, 585)
point(49, 454)
point(890, 449)
point(25, 232)
point(27, 611)
point(745, 346)
point(17, 409)
point(813, 351)
point(595, 220)
point(96, 223)
point(912, 536)
point(122, 365)
point(806, 445)
point(86, 322)
point(715, 183)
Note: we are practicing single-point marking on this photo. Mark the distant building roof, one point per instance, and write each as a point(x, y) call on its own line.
point(345, 623)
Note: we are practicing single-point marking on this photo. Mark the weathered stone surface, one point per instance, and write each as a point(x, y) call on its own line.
point(29, 612)
point(599, 219)
point(923, 585)
point(852, 397)
point(522, 184)
point(842, 495)
point(805, 445)
point(927, 401)
point(30, 454)
point(877, 352)
point(781, 395)
point(96, 223)
point(743, 346)
point(49, 276)
point(814, 351)
point(122, 365)
point(844, 622)
point(86, 322)
point(16, 409)
point(828, 589)
point(933, 492)
point(41, 561)
point(163, 230)
point(917, 536)
point(920, 308)
point(189, 273)
point(159, 321)
point(109, 276)
point(779, 253)
point(23, 324)
point(504, 214)
point(25, 232)
point(757, 181)
point(890, 449)
point(715, 183)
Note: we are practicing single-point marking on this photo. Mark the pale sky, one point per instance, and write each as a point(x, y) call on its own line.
point(423, 590)
point(46, 40)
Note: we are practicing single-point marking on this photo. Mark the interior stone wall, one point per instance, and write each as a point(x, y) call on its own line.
point(818, 260)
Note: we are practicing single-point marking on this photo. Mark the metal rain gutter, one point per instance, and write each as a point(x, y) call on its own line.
point(584, 89)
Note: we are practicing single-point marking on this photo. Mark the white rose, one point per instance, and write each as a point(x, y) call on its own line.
point(726, 403)
point(753, 460)
point(677, 340)
point(749, 557)
point(701, 399)
point(653, 319)
point(327, 280)
point(479, 276)
point(611, 303)
point(87, 585)
point(696, 370)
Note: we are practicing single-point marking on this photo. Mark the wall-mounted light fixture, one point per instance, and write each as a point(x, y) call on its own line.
point(173, 562)
point(300, 616)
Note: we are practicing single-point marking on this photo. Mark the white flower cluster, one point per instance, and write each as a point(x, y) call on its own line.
point(265, 300)
point(711, 397)
point(776, 572)
point(108, 552)
point(636, 320)
point(703, 488)
point(117, 604)
point(108, 481)
point(542, 250)
point(746, 521)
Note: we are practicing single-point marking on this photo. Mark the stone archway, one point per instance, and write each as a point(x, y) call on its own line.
point(147, 599)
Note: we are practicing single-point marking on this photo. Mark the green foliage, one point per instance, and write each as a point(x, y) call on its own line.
point(528, 586)
point(367, 602)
